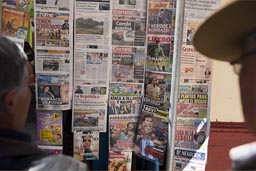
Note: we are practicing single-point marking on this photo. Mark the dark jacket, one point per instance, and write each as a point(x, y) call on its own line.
point(16, 153)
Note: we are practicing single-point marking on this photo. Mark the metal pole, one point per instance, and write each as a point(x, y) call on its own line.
point(178, 34)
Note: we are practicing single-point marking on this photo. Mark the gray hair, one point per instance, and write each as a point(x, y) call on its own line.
point(13, 68)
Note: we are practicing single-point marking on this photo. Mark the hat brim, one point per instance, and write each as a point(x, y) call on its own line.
point(221, 35)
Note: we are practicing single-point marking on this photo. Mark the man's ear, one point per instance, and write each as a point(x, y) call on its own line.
point(10, 100)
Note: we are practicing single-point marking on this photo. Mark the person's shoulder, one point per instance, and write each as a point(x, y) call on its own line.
point(58, 162)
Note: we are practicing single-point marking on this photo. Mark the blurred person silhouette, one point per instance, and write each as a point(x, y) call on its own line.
point(230, 35)
point(16, 150)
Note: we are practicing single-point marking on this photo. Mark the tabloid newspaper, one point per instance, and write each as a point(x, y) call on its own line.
point(159, 53)
point(193, 101)
point(119, 161)
point(128, 64)
point(122, 132)
point(53, 92)
point(191, 141)
point(86, 145)
point(52, 29)
point(124, 98)
point(161, 17)
point(128, 27)
point(157, 89)
point(49, 127)
point(152, 135)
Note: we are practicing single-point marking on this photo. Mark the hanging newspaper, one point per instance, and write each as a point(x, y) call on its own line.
point(89, 96)
point(152, 135)
point(55, 5)
point(49, 127)
point(89, 119)
point(161, 17)
point(124, 98)
point(53, 92)
point(128, 64)
point(91, 67)
point(15, 22)
point(52, 29)
point(52, 61)
point(191, 141)
point(157, 90)
point(86, 145)
point(122, 132)
point(159, 53)
point(128, 27)
point(193, 101)
point(93, 6)
point(195, 68)
point(91, 31)
point(119, 161)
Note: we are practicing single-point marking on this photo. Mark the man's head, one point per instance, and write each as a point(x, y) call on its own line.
point(87, 142)
point(15, 95)
point(230, 35)
point(154, 81)
point(158, 43)
point(147, 123)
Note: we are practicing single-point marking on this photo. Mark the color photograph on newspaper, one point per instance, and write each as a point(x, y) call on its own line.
point(157, 89)
point(161, 17)
point(124, 98)
point(193, 101)
point(52, 29)
point(89, 119)
point(128, 64)
point(122, 132)
point(53, 92)
point(159, 54)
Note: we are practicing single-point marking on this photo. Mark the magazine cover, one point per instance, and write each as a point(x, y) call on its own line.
point(119, 161)
point(15, 22)
point(122, 132)
point(51, 149)
point(49, 127)
point(86, 145)
point(152, 136)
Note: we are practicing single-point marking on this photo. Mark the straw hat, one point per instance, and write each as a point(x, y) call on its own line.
point(221, 35)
